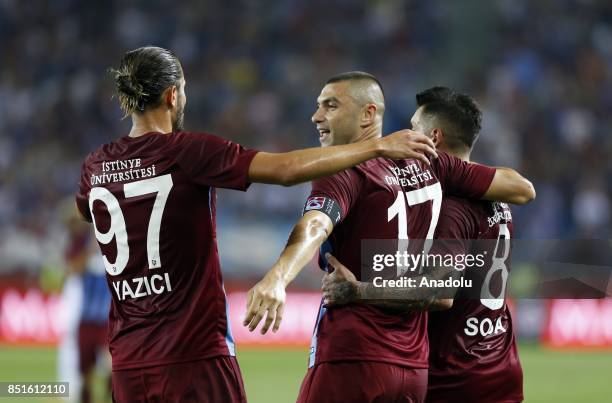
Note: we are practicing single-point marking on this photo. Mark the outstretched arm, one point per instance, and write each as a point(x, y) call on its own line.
point(304, 165)
point(476, 181)
point(510, 187)
point(269, 294)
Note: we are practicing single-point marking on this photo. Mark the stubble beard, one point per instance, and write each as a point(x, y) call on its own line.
point(179, 121)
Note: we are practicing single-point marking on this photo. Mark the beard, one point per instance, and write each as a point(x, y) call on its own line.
point(179, 120)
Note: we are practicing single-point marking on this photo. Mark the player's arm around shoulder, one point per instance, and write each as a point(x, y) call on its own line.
point(341, 287)
point(476, 181)
point(299, 166)
point(511, 187)
point(268, 295)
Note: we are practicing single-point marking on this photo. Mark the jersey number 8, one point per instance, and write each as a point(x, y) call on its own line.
point(498, 264)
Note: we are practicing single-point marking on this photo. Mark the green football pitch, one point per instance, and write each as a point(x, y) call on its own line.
point(274, 375)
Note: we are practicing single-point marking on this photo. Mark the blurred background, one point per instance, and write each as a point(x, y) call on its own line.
point(541, 71)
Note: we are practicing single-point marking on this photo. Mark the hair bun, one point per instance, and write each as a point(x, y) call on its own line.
point(143, 75)
point(127, 85)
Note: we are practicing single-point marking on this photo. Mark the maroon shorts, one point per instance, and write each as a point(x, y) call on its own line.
point(502, 383)
point(363, 382)
point(92, 338)
point(209, 381)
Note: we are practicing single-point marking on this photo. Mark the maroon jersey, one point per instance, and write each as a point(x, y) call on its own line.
point(473, 354)
point(152, 203)
point(383, 199)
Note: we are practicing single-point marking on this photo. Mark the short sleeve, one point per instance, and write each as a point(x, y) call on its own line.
point(213, 161)
point(461, 178)
point(342, 188)
point(455, 226)
point(82, 196)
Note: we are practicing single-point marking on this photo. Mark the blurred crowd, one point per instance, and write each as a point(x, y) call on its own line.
point(540, 69)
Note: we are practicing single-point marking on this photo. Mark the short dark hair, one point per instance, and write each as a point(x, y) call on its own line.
point(355, 76)
point(460, 114)
point(143, 75)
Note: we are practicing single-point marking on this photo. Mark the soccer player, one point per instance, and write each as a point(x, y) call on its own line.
point(151, 198)
point(75, 255)
point(93, 348)
point(473, 354)
point(85, 301)
point(361, 352)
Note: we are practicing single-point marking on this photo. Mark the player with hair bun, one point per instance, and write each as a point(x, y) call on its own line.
point(151, 197)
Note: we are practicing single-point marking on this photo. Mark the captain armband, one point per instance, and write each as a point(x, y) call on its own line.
point(326, 206)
